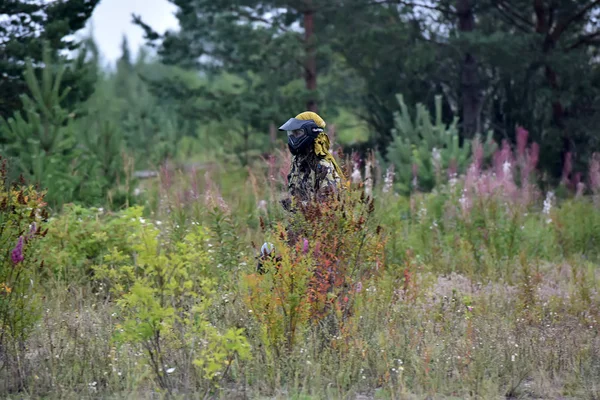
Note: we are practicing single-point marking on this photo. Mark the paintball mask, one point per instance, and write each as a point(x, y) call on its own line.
point(301, 134)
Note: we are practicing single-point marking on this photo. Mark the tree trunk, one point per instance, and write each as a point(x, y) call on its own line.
point(310, 68)
point(552, 33)
point(469, 82)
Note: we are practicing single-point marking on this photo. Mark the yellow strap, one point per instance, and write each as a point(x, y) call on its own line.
point(322, 150)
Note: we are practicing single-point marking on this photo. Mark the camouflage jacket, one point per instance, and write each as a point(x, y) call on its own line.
point(311, 177)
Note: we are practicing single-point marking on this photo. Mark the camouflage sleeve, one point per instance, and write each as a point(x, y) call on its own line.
point(327, 176)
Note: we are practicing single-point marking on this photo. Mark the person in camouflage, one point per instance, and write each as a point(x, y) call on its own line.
point(314, 173)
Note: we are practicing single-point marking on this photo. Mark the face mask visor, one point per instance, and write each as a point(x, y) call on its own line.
point(295, 136)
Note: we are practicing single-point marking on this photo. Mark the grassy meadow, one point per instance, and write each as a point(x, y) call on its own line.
point(486, 287)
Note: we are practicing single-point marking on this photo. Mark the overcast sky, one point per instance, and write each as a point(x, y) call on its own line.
point(112, 19)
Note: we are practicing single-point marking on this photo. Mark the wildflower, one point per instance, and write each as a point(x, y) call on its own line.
point(548, 205)
point(453, 180)
point(356, 175)
point(506, 167)
point(368, 179)
point(305, 245)
point(358, 287)
point(389, 179)
point(465, 204)
point(170, 370)
point(17, 253)
point(262, 206)
point(522, 134)
point(32, 229)
point(415, 172)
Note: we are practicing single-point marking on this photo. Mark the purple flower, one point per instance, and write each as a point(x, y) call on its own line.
point(17, 253)
point(305, 246)
point(358, 287)
point(32, 230)
point(522, 135)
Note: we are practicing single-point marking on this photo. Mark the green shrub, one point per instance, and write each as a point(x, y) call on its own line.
point(164, 290)
point(22, 216)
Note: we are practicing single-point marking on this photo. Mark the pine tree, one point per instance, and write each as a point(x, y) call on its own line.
point(24, 28)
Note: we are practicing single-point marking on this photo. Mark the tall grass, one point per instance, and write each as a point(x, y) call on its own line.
point(486, 287)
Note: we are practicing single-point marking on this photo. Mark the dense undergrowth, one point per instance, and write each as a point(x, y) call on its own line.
point(485, 287)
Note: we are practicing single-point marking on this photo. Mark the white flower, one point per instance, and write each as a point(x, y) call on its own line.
point(389, 179)
point(170, 370)
point(506, 167)
point(368, 179)
point(262, 206)
point(548, 202)
point(422, 213)
point(356, 175)
point(548, 205)
point(453, 181)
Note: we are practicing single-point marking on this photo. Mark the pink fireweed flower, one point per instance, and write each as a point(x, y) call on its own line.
point(477, 153)
point(522, 135)
point(17, 253)
point(305, 246)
